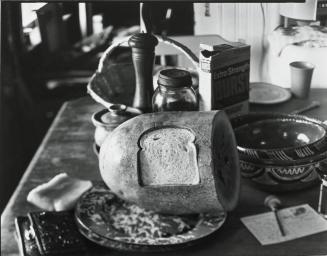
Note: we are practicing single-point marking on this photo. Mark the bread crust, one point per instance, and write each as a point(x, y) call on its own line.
point(121, 171)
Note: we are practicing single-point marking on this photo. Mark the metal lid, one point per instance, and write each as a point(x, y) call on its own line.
point(116, 115)
point(175, 78)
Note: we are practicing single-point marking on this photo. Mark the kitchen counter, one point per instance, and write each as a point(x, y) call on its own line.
point(67, 147)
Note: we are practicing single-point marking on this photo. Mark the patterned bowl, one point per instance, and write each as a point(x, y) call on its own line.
point(280, 152)
point(276, 138)
point(280, 178)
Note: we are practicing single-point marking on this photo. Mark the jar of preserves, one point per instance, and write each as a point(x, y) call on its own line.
point(174, 92)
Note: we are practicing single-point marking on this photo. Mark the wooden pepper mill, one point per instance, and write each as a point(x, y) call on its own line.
point(143, 45)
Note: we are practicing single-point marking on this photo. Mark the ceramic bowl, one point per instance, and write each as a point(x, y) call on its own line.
point(281, 178)
point(276, 138)
point(106, 120)
point(280, 152)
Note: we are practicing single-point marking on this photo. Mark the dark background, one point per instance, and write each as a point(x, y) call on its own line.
point(27, 104)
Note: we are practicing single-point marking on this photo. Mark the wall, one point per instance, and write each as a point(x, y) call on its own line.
point(247, 22)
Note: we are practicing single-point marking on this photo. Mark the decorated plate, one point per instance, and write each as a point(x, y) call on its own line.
point(265, 93)
point(111, 222)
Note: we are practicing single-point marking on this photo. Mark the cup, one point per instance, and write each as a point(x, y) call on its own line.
point(301, 75)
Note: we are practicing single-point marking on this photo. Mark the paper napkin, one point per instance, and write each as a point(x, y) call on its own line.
point(297, 221)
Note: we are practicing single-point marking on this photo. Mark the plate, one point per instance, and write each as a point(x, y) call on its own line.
point(111, 222)
point(265, 93)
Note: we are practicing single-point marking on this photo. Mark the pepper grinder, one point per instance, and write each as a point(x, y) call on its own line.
point(143, 45)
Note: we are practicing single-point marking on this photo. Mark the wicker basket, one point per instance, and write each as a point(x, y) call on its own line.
point(115, 83)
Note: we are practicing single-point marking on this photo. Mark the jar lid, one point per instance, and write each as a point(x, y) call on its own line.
point(175, 78)
point(116, 115)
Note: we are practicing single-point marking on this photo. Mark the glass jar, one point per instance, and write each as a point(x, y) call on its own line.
point(174, 92)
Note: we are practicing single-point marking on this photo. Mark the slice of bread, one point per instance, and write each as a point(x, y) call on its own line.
point(168, 157)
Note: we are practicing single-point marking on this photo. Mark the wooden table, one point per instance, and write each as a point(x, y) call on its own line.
point(67, 147)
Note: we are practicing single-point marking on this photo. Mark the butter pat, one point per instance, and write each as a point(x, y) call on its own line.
point(224, 77)
point(59, 194)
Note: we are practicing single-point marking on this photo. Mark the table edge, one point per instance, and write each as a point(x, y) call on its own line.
point(32, 163)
